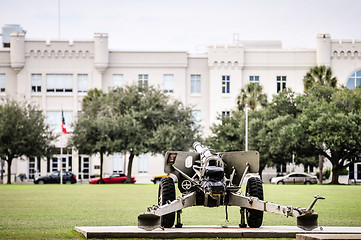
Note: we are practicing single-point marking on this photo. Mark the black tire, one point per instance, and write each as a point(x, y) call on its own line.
point(254, 189)
point(166, 193)
point(41, 182)
point(307, 183)
point(281, 183)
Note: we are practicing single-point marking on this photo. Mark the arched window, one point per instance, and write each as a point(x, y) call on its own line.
point(354, 80)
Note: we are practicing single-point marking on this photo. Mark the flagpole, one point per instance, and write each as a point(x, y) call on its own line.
point(62, 145)
point(61, 162)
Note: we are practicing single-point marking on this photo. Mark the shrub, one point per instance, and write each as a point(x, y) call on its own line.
point(325, 175)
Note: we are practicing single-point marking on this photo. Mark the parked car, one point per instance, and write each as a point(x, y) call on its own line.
point(295, 178)
point(156, 178)
point(114, 178)
point(68, 178)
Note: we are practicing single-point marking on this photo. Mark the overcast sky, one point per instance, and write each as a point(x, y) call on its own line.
point(186, 24)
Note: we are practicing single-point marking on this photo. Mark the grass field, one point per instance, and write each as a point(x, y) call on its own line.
point(52, 211)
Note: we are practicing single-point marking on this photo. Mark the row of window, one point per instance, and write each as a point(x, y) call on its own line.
point(65, 161)
point(59, 82)
point(64, 82)
point(226, 83)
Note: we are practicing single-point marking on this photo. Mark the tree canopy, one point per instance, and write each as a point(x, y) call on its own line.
point(329, 127)
point(23, 132)
point(325, 120)
point(134, 120)
point(94, 130)
point(251, 96)
point(320, 75)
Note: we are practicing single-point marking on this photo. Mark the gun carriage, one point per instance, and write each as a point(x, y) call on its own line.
point(213, 180)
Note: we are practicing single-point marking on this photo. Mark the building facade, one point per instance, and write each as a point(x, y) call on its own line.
point(56, 75)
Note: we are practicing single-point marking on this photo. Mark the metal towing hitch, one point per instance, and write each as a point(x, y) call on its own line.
point(213, 180)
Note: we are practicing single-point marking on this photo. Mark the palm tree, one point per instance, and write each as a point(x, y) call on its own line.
point(319, 75)
point(252, 96)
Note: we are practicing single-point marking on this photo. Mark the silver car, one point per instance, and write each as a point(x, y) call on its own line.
point(295, 178)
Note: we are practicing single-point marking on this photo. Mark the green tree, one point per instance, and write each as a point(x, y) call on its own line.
point(266, 127)
point(148, 121)
point(132, 120)
point(266, 131)
point(228, 133)
point(330, 128)
point(252, 96)
point(94, 130)
point(320, 75)
point(23, 132)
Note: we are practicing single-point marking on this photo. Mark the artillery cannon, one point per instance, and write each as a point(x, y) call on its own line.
point(213, 180)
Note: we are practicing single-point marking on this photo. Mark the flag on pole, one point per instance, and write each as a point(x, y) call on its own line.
point(63, 127)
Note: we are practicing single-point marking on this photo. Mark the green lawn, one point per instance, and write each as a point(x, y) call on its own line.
point(52, 211)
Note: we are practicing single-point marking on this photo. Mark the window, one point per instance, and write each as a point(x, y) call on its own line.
point(226, 81)
point(254, 79)
point(195, 83)
point(34, 167)
point(2, 83)
point(118, 160)
point(354, 80)
point(117, 80)
point(36, 82)
point(82, 83)
point(281, 83)
point(54, 118)
point(143, 80)
point(168, 80)
point(196, 115)
point(225, 113)
point(83, 167)
point(143, 163)
point(59, 83)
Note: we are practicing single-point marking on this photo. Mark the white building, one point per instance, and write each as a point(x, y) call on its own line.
point(57, 74)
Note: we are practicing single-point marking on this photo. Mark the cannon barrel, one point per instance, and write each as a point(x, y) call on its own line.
point(203, 151)
point(207, 158)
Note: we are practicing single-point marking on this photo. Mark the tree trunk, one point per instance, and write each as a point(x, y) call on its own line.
point(320, 167)
point(130, 165)
point(2, 171)
point(335, 174)
point(101, 167)
point(10, 159)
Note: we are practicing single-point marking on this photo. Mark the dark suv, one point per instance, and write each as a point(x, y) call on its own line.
point(68, 178)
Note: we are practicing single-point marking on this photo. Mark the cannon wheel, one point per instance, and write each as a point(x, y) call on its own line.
point(254, 189)
point(166, 193)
